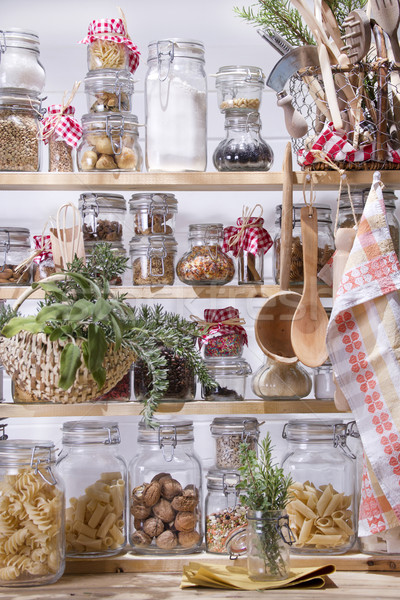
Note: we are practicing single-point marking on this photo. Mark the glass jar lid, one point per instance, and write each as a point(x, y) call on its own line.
point(144, 200)
point(122, 80)
point(97, 202)
point(110, 122)
point(237, 118)
point(166, 433)
point(240, 74)
point(235, 426)
point(206, 231)
point(324, 213)
point(227, 367)
point(359, 198)
point(90, 432)
point(312, 431)
point(140, 243)
point(21, 452)
point(15, 236)
point(225, 481)
point(18, 38)
point(14, 99)
point(170, 47)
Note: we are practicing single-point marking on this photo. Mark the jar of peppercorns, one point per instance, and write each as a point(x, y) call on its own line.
point(153, 259)
point(165, 490)
point(103, 217)
point(14, 249)
point(153, 214)
point(205, 263)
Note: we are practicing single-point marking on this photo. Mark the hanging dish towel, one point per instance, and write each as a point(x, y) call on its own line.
point(364, 346)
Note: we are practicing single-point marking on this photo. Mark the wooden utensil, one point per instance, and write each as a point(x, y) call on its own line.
point(358, 35)
point(387, 15)
point(310, 321)
point(382, 96)
point(273, 323)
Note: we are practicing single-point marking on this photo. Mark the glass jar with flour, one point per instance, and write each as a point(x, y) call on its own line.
point(176, 106)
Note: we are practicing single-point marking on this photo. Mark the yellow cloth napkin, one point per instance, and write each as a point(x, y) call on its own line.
point(236, 578)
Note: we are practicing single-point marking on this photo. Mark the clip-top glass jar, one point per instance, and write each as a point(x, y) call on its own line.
point(110, 142)
point(108, 90)
point(14, 249)
point(229, 433)
point(153, 259)
point(230, 375)
point(165, 490)
point(205, 263)
point(103, 217)
point(20, 67)
point(176, 106)
point(359, 198)
point(326, 243)
point(153, 214)
point(95, 488)
point(32, 548)
point(323, 511)
point(239, 87)
point(281, 381)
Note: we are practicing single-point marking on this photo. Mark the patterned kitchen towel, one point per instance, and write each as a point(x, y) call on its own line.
point(364, 346)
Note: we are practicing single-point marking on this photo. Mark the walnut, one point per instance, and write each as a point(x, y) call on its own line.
point(185, 521)
point(140, 511)
point(151, 494)
point(160, 476)
point(188, 539)
point(191, 490)
point(137, 493)
point(127, 159)
point(88, 160)
point(153, 526)
point(167, 540)
point(164, 511)
point(138, 523)
point(106, 162)
point(140, 538)
point(170, 488)
point(184, 503)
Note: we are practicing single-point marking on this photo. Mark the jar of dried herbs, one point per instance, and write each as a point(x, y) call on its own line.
point(153, 259)
point(326, 242)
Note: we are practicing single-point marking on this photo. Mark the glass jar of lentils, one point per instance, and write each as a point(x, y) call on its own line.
point(19, 132)
point(229, 433)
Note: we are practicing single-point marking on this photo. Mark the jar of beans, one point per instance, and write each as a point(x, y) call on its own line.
point(229, 433)
point(230, 375)
point(103, 217)
point(223, 509)
point(326, 242)
point(153, 259)
point(153, 214)
point(14, 249)
point(205, 263)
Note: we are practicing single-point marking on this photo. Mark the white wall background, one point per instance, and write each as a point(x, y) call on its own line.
point(227, 40)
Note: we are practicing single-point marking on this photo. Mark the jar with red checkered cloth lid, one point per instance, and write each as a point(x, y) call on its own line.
point(62, 131)
point(43, 262)
point(223, 333)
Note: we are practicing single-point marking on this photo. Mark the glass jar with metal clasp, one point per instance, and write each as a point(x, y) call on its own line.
point(153, 259)
point(14, 249)
point(109, 90)
point(103, 217)
point(153, 214)
point(20, 67)
point(324, 505)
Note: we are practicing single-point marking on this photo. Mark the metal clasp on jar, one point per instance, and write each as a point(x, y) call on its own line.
point(115, 129)
point(161, 253)
point(3, 43)
point(119, 86)
point(113, 436)
point(165, 57)
point(156, 209)
point(6, 246)
point(90, 207)
point(341, 433)
point(167, 440)
point(230, 479)
point(42, 464)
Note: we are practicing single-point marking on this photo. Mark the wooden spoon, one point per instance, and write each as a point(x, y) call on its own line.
point(310, 321)
point(387, 15)
point(273, 323)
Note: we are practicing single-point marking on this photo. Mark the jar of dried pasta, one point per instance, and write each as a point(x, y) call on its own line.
point(110, 142)
point(326, 243)
point(32, 550)
point(153, 259)
point(95, 488)
point(323, 509)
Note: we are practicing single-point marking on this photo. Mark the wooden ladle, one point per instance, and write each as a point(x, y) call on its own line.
point(310, 321)
point(273, 323)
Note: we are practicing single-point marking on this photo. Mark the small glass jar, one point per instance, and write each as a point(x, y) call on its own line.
point(20, 67)
point(250, 267)
point(230, 376)
point(205, 263)
point(109, 90)
point(61, 154)
point(243, 148)
point(326, 243)
point(359, 198)
point(239, 87)
point(32, 546)
point(95, 488)
point(153, 214)
point(19, 132)
point(281, 381)
point(110, 142)
point(106, 54)
point(118, 250)
point(153, 259)
point(165, 491)
point(103, 216)
point(385, 542)
point(223, 510)
point(324, 386)
point(14, 249)
point(229, 433)
point(181, 379)
point(324, 472)
point(176, 106)
point(227, 345)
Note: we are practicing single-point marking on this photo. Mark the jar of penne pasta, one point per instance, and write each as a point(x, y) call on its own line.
point(32, 550)
point(95, 489)
point(323, 506)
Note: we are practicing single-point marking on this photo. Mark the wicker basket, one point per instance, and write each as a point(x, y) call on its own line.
point(33, 362)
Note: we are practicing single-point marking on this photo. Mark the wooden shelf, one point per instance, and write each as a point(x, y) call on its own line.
point(209, 181)
point(197, 407)
point(133, 563)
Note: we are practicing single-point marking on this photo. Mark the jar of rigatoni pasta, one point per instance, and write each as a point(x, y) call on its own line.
point(32, 549)
point(95, 489)
point(323, 506)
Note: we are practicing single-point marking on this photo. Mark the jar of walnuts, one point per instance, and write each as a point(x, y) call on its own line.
point(165, 491)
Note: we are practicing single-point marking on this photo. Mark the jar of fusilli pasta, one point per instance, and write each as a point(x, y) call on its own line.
point(323, 506)
point(32, 547)
point(95, 488)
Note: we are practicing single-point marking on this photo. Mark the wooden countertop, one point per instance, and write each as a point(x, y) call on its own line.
point(345, 585)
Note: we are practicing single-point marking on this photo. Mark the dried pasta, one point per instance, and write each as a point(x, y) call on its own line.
point(105, 54)
point(95, 521)
point(320, 517)
point(30, 526)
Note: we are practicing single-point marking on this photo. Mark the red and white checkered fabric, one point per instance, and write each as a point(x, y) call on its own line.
point(66, 126)
point(218, 316)
point(99, 29)
point(253, 240)
point(43, 241)
point(337, 147)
